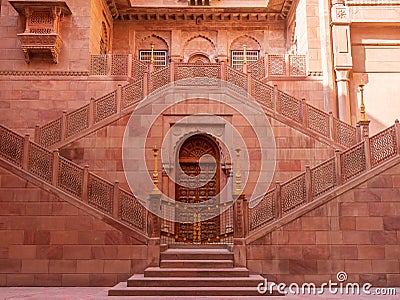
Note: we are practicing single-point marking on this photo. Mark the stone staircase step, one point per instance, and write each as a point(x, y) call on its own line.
point(203, 263)
point(190, 254)
point(191, 271)
point(122, 289)
point(196, 272)
point(198, 246)
point(140, 281)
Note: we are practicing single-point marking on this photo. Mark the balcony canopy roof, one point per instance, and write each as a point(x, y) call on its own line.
point(20, 5)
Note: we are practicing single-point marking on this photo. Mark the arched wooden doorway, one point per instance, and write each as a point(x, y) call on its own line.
point(190, 153)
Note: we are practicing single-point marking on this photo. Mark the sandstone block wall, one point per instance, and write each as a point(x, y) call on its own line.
point(376, 62)
point(311, 89)
point(28, 101)
point(45, 241)
point(357, 232)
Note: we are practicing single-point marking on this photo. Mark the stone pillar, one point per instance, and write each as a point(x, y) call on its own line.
point(176, 41)
point(343, 94)
point(240, 230)
point(343, 63)
point(364, 128)
point(222, 46)
point(154, 230)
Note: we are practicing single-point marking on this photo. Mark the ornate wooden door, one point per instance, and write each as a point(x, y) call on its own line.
point(198, 188)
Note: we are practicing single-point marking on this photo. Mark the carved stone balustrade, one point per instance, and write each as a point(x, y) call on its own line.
point(42, 27)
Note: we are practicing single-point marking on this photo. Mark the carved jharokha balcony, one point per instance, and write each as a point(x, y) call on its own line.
point(45, 43)
point(42, 27)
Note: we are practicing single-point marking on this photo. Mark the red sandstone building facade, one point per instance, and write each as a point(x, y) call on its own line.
point(324, 74)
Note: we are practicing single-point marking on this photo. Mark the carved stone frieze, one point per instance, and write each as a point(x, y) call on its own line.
point(40, 43)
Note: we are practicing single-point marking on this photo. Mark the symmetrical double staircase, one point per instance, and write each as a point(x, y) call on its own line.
point(193, 270)
point(98, 113)
point(196, 271)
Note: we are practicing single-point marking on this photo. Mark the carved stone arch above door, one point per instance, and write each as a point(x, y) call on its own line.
point(195, 146)
point(250, 42)
point(199, 44)
point(199, 58)
point(144, 42)
point(181, 131)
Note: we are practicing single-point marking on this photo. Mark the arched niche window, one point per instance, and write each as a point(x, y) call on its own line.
point(242, 47)
point(156, 47)
point(159, 56)
point(199, 45)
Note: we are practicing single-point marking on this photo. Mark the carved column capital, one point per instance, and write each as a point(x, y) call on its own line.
point(342, 75)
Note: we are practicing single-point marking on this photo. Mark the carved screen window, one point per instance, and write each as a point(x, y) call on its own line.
point(238, 57)
point(40, 22)
point(160, 57)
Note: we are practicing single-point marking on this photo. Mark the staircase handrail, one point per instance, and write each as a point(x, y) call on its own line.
point(284, 199)
point(99, 112)
point(73, 179)
point(318, 181)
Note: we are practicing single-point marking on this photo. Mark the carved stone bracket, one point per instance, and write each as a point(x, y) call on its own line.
point(42, 27)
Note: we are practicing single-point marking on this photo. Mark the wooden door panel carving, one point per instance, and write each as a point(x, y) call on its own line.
point(198, 188)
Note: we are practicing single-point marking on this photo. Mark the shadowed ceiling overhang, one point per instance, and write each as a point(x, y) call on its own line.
point(132, 10)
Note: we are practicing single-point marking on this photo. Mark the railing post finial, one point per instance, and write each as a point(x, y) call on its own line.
point(244, 68)
point(245, 54)
point(362, 106)
point(155, 172)
point(364, 122)
point(152, 54)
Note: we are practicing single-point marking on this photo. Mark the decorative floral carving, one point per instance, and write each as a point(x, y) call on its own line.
point(341, 13)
